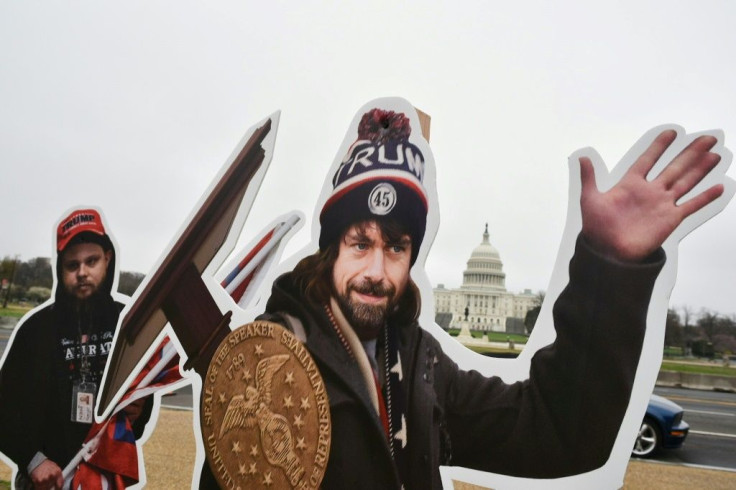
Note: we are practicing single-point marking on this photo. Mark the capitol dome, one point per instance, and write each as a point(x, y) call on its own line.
point(485, 250)
point(485, 269)
point(482, 302)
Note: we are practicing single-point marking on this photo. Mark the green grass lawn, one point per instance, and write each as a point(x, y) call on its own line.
point(494, 350)
point(505, 337)
point(672, 351)
point(14, 310)
point(683, 367)
point(493, 336)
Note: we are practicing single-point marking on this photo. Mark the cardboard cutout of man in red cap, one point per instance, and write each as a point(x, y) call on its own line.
point(51, 375)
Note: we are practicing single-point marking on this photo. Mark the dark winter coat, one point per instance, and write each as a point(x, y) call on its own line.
point(38, 373)
point(563, 420)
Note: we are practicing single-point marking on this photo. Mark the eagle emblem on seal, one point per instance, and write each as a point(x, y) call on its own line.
point(254, 407)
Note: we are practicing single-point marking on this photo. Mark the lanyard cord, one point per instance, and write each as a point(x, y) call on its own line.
point(84, 365)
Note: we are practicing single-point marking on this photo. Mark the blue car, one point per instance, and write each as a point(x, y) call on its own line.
point(662, 427)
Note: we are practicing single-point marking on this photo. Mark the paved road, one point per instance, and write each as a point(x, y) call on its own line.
point(711, 415)
point(712, 419)
point(180, 399)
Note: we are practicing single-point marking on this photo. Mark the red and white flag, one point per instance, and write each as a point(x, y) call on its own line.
point(109, 457)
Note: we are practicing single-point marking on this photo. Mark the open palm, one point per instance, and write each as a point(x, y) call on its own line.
point(633, 218)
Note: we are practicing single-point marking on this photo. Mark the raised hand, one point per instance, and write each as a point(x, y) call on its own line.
point(634, 217)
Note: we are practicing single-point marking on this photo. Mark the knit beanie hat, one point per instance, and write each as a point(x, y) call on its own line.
point(381, 177)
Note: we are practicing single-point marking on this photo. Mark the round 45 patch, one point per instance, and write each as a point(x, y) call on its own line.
point(382, 199)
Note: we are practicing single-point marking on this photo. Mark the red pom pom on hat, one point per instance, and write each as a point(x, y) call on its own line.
point(381, 126)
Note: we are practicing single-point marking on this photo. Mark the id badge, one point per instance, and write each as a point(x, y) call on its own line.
point(83, 401)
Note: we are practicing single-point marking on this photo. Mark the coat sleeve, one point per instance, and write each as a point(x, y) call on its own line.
point(23, 394)
point(564, 419)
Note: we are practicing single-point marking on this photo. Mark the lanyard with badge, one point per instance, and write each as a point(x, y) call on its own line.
point(83, 388)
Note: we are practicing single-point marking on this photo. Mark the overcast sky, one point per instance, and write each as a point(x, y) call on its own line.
point(134, 108)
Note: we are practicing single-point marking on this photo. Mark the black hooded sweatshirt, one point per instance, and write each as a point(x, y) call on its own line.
point(41, 367)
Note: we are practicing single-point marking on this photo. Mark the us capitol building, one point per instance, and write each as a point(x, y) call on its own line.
point(489, 306)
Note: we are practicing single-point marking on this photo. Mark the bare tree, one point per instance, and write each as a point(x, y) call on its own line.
point(673, 334)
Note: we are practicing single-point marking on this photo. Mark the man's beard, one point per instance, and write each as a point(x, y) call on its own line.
point(367, 320)
point(87, 303)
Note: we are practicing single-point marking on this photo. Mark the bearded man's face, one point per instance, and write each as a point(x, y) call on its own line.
point(84, 269)
point(369, 276)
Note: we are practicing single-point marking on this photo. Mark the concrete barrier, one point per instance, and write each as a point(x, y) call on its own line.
point(697, 381)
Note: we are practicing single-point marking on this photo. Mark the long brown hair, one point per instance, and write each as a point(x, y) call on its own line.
point(313, 274)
